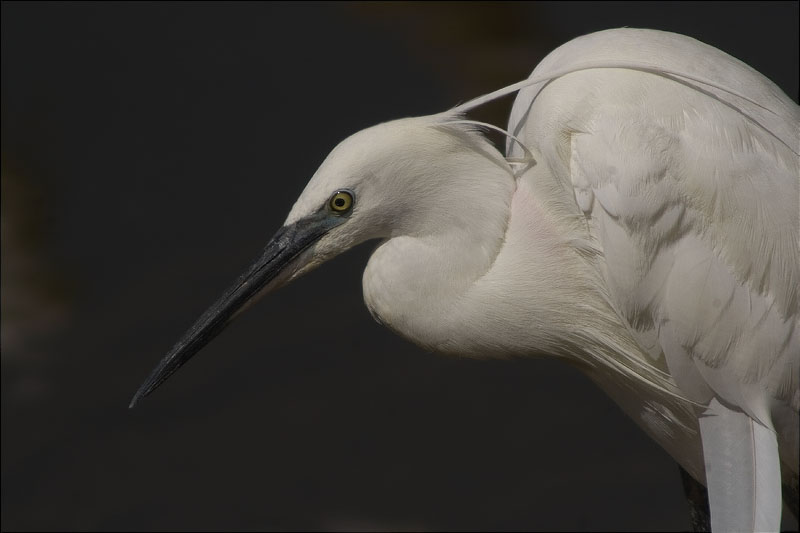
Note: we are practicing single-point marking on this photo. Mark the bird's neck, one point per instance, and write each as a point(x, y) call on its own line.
point(414, 279)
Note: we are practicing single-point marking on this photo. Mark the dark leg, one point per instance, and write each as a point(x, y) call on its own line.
point(791, 498)
point(697, 496)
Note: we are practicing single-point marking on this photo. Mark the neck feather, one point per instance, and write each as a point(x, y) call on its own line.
point(417, 275)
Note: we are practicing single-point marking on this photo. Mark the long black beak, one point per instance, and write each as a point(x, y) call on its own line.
point(282, 249)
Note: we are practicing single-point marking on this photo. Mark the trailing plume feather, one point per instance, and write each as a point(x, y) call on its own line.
point(766, 110)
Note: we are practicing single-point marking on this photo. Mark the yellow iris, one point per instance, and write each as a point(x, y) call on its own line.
point(341, 201)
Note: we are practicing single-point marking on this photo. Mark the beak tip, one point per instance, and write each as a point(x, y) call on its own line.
point(134, 401)
point(143, 391)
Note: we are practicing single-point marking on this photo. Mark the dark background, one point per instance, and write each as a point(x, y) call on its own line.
point(148, 153)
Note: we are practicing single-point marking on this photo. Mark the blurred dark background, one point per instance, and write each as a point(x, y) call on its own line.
point(149, 150)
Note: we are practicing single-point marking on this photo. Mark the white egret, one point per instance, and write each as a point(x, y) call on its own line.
point(644, 225)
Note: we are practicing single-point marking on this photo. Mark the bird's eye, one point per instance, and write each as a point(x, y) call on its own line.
point(341, 201)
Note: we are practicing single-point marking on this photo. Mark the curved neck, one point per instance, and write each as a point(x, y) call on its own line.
point(416, 276)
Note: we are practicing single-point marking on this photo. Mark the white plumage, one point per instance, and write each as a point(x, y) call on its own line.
point(688, 178)
point(644, 227)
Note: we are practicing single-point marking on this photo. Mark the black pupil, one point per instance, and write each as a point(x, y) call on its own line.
point(339, 202)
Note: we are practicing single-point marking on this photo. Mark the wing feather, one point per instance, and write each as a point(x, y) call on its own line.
point(742, 455)
point(685, 163)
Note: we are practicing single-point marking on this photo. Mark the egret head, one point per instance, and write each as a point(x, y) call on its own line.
point(388, 180)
